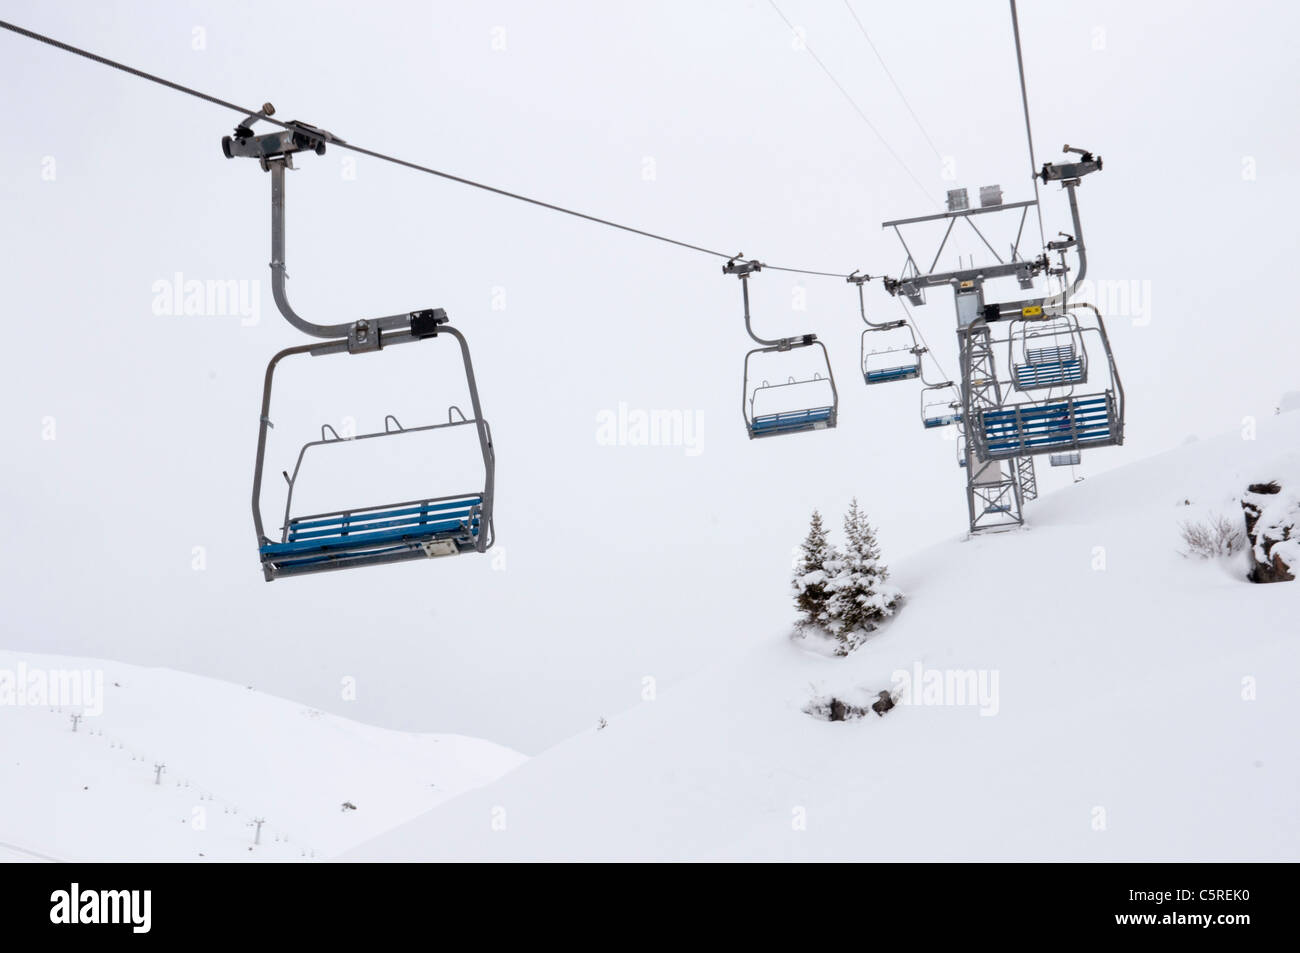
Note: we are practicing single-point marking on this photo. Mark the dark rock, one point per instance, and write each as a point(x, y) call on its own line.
point(835, 709)
point(1267, 563)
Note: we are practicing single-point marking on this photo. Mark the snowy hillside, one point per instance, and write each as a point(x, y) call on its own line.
point(232, 754)
point(1136, 704)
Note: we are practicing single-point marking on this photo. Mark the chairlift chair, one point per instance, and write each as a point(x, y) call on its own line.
point(936, 413)
point(1068, 421)
point(898, 362)
point(439, 524)
point(772, 423)
point(894, 360)
point(1047, 354)
point(807, 403)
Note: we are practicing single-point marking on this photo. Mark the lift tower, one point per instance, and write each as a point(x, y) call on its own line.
point(996, 485)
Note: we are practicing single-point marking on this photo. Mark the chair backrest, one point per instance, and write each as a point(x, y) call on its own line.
point(1050, 355)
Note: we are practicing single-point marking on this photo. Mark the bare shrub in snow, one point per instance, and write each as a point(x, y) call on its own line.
point(1212, 538)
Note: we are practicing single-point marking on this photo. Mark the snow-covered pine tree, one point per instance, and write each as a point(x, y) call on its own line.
point(860, 595)
point(811, 594)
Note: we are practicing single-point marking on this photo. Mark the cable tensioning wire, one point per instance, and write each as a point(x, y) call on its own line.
point(898, 89)
point(959, 240)
point(803, 271)
point(235, 107)
point(852, 102)
point(928, 350)
point(1029, 135)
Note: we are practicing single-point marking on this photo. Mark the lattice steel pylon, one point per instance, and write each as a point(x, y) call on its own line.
point(993, 492)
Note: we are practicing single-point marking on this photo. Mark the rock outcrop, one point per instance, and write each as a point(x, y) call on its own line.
point(1273, 528)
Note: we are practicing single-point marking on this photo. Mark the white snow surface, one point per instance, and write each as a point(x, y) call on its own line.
point(232, 754)
point(1137, 705)
point(1145, 710)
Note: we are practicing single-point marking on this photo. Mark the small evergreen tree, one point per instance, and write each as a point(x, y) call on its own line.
point(860, 595)
point(811, 577)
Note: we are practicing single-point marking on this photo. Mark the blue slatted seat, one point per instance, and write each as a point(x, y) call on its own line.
point(942, 420)
point(790, 421)
point(1010, 431)
point(1049, 373)
point(885, 374)
point(1049, 367)
point(1050, 355)
point(407, 525)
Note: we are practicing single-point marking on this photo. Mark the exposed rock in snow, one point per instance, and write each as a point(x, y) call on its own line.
point(883, 703)
point(837, 708)
point(1272, 519)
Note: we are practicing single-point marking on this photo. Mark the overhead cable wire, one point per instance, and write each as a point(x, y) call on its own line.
point(916, 327)
point(853, 102)
point(383, 157)
point(898, 89)
point(1029, 134)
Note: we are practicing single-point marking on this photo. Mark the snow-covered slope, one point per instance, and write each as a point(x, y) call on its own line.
point(232, 754)
point(1144, 707)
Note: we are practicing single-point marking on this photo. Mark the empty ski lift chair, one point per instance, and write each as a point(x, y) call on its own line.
point(1052, 355)
point(891, 364)
point(888, 351)
point(438, 523)
point(898, 360)
point(808, 403)
point(1071, 421)
point(787, 421)
point(936, 413)
point(373, 532)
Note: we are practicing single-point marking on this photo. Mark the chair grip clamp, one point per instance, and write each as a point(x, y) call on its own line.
point(424, 324)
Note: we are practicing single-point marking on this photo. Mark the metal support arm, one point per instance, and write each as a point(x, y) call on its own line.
point(743, 269)
point(360, 333)
point(1052, 303)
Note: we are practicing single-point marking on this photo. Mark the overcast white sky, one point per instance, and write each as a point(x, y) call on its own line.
point(618, 562)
